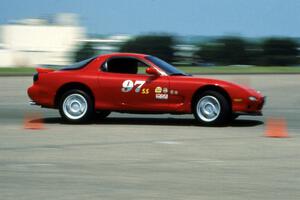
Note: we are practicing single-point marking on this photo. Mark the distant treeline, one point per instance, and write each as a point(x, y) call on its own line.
point(235, 50)
point(222, 51)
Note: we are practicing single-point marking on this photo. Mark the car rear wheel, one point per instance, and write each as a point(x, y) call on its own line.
point(76, 106)
point(211, 108)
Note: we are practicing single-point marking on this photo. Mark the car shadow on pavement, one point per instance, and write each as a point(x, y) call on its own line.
point(155, 121)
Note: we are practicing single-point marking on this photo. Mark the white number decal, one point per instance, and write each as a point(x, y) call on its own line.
point(140, 84)
point(128, 85)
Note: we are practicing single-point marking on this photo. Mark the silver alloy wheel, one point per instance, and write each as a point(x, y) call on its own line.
point(208, 108)
point(75, 106)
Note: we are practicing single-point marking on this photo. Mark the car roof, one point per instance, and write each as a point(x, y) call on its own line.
point(124, 54)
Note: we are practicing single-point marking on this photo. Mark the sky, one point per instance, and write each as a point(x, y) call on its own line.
point(250, 18)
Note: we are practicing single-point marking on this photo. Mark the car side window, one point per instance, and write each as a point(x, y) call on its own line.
point(124, 65)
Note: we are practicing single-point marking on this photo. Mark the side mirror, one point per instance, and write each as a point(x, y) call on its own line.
point(152, 71)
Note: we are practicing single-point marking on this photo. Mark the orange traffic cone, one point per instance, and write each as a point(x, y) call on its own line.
point(276, 127)
point(33, 121)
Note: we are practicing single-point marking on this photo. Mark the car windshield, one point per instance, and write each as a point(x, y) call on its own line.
point(80, 64)
point(168, 68)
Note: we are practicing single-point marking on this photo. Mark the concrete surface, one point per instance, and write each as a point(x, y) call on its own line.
point(150, 157)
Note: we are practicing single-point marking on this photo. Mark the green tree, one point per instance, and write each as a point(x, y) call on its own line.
point(280, 51)
point(208, 52)
point(225, 51)
point(156, 45)
point(84, 52)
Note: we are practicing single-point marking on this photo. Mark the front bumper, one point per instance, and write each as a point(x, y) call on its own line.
point(253, 108)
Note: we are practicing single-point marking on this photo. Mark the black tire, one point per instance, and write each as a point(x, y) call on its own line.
point(101, 114)
point(224, 114)
point(234, 116)
point(88, 113)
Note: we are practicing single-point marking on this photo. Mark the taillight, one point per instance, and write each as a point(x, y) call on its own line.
point(35, 77)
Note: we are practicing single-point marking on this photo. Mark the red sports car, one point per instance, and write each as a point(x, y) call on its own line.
point(137, 83)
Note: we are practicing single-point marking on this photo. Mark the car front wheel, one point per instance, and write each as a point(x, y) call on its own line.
point(211, 108)
point(76, 106)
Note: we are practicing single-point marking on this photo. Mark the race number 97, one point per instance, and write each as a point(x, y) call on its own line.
point(128, 85)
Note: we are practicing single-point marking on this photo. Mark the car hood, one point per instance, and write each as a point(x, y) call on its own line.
point(227, 85)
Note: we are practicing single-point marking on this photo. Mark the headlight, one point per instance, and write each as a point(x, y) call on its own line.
point(252, 98)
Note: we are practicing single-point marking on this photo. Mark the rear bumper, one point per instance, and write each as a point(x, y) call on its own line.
point(40, 96)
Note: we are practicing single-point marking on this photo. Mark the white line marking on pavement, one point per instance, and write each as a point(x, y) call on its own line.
point(167, 142)
point(208, 161)
point(29, 165)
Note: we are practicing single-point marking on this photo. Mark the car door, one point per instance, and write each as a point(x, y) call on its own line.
point(145, 93)
point(133, 92)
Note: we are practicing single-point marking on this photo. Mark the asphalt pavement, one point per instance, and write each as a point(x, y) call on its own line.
point(139, 157)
